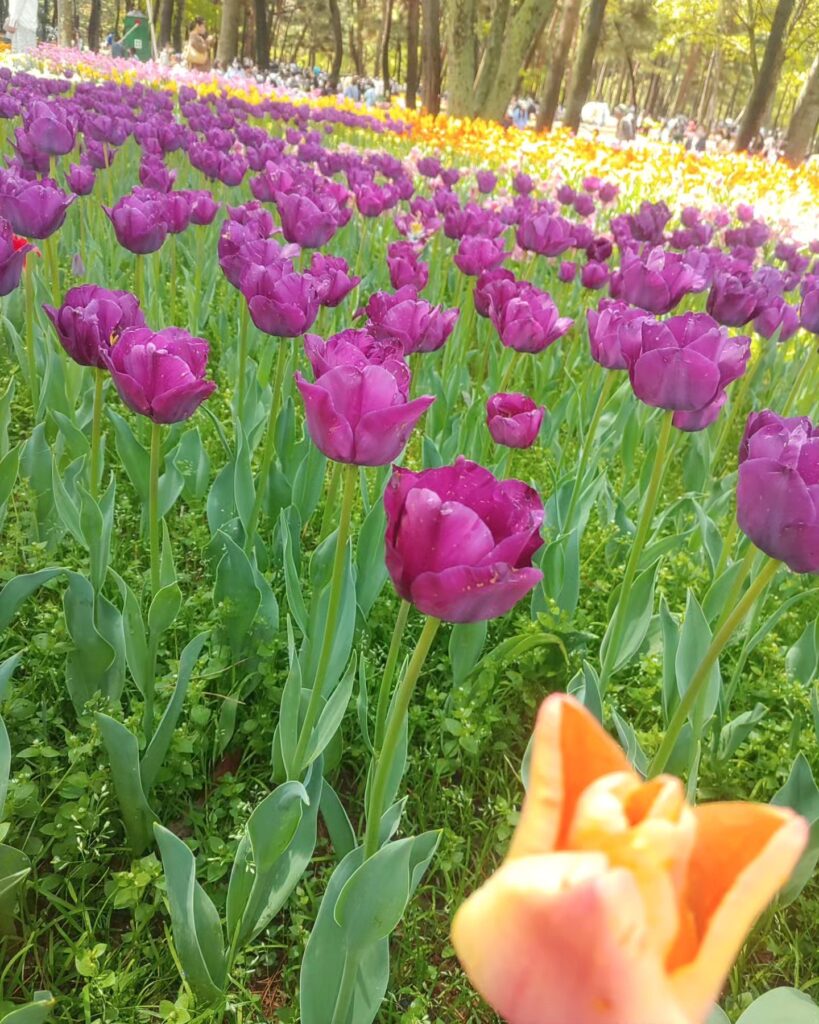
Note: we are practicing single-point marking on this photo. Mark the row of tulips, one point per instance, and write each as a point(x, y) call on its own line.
point(619, 901)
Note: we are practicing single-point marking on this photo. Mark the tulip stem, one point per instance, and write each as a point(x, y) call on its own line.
point(727, 548)
point(737, 404)
point(640, 538)
point(197, 281)
point(269, 447)
point(50, 246)
point(588, 441)
point(389, 672)
point(96, 431)
point(746, 567)
point(703, 672)
point(330, 503)
point(139, 280)
point(153, 504)
point(333, 604)
point(383, 759)
point(244, 324)
point(33, 382)
point(172, 293)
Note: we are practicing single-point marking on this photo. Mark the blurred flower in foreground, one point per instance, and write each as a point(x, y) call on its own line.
point(618, 902)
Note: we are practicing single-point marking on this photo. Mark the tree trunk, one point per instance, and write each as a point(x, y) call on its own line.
point(805, 118)
point(178, 22)
point(413, 14)
point(228, 32)
point(165, 24)
point(488, 68)
point(582, 72)
point(294, 55)
point(338, 43)
point(384, 49)
point(65, 22)
point(431, 56)
point(461, 57)
point(94, 25)
point(767, 78)
point(526, 25)
point(678, 106)
point(262, 35)
point(356, 54)
point(557, 68)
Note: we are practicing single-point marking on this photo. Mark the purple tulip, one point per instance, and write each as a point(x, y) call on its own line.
point(777, 505)
point(734, 299)
point(80, 179)
point(684, 363)
point(34, 209)
point(309, 222)
point(13, 251)
point(404, 317)
point(160, 375)
point(51, 128)
point(647, 225)
point(358, 412)
point(594, 275)
point(140, 221)
point(657, 282)
point(493, 288)
point(405, 267)
point(154, 174)
point(514, 420)
point(545, 234)
point(459, 543)
point(529, 321)
point(565, 195)
point(281, 302)
point(809, 310)
point(608, 192)
point(486, 181)
point(777, 316)
point(177, 212)
point(356, 347)
point(591, 183)
point(203, 207)
point(567, 271)
point(332, 277)
point(91, 318)
point(522, 183)
point(476, 254)
point(583, 205)
point(614, 328)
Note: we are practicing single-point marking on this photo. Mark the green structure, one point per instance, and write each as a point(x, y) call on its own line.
point(136, 39)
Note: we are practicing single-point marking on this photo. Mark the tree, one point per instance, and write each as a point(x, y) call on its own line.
point(584, 62)
point(461, 57)
point(338, 43)
point(431, 56)
point(262, 35)
point(557, 68)
point(413, 17)
point(767, 78)
point(165, 24)
point(94, 18)
point(229, 31)
point(65, 22)
point(805, 117)
point(525, 26)
point(488, 67)
point(384, 47)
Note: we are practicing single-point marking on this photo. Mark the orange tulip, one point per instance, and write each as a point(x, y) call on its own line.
point(618, 902)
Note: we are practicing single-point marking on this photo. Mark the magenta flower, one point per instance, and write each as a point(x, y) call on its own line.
point(281, 302)
point(614, 328)
point(594, 275)
point(359, 412)
point(459, 543)
point(332, 277)
point(405, 267)
point(35, 209)
point(50, 127)
point(309, 222)
point(90, 319)
point(777, 315)
point(203, 206)
point(356, 347)
point(80, 179)
point(685, 363)
point(809, 310)
point(657, 282)
point(477, 254)
point(514, 420)
point(567, 271)
point(529, 321)
point(160, 375)
point(140, 221)
point(486, 181)
point(545, 234)
point(493, 288)
point(734, 299)
point(777, 505)
point(410, 320)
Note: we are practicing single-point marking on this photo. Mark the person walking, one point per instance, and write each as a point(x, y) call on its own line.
point(21, 25)
point(197, 51)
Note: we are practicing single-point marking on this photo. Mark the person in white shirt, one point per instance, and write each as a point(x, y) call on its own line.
point(22, 25)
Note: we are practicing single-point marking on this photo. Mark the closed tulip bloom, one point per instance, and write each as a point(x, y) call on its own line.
point(684, 363)
point(80, 179)
point(477, 254)
point(545, 234)
point(734, 299)
point(594, 275)
point(405, 267)
point(567, 271)
point(203, 206)
point(656, 283)
point(777, 504)
point(177, 212)
point(459, 542)
point(486, 181)
point(91, 318)
point(809, 310)
point(493, 288)
point(51, 128)
point(529, 321)
point(155, 174)
point(359, 413)
point(333, 279)
point(514, 420)
point(522, 183)
point(404, 317)
point(160, 374)
point(13, 250)
point(614, 328)
point(309, 222)
point(140, 221)
point(35, 209)
point(777, 316)
point(618, 902)
point(281, 302)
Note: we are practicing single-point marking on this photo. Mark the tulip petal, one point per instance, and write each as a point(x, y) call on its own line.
point(561, 939)
point(382, 434)
point(467, 593)
point(177, 404)
point(743, 854)
point(571, 749)
point(330, 432)
point(671, 378)
point(771, 497)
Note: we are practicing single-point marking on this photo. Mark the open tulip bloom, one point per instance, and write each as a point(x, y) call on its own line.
point(618, 902)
